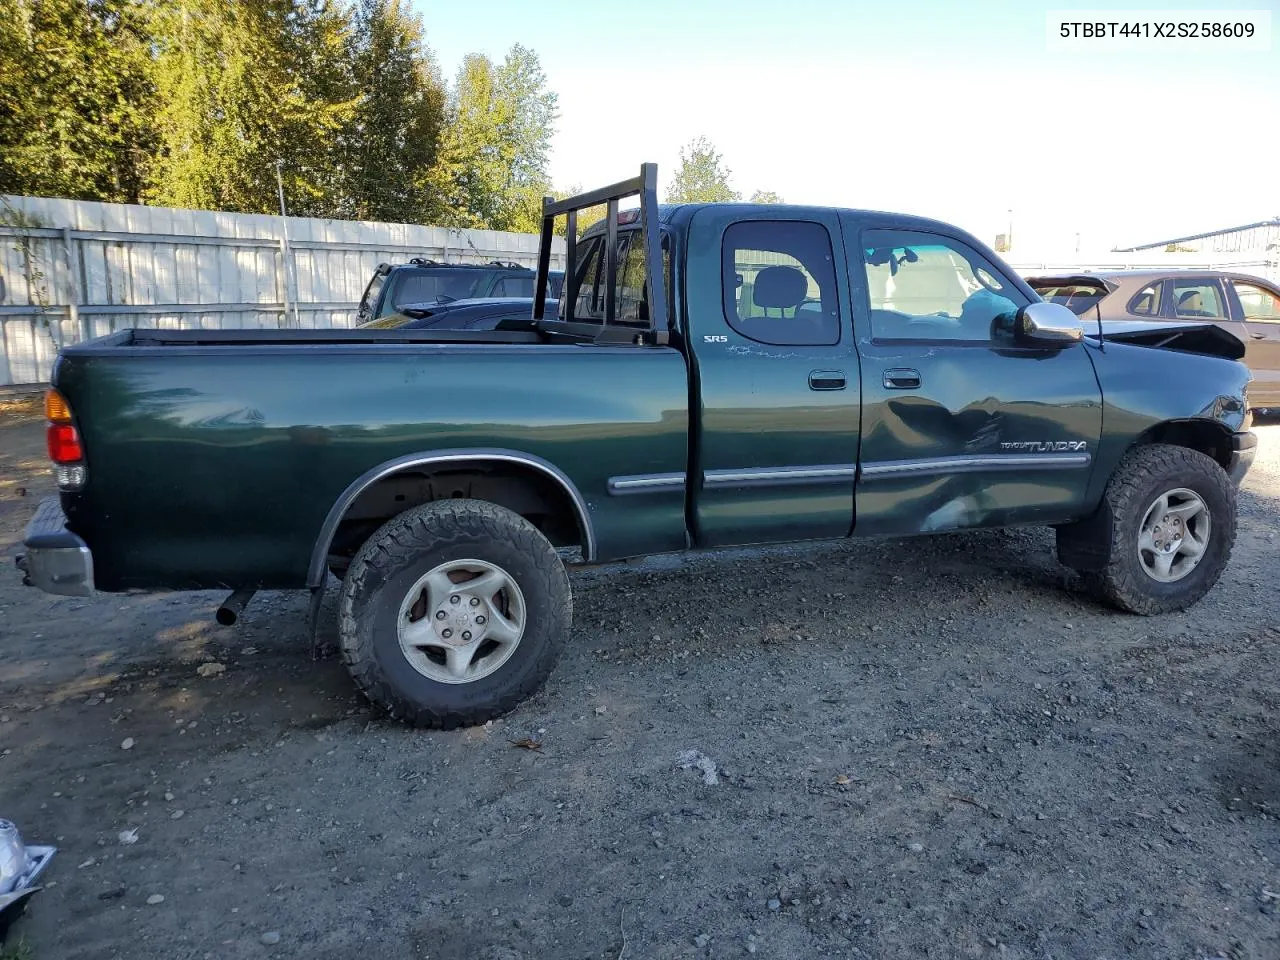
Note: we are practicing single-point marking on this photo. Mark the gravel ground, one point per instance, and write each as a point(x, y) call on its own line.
point(921, 748)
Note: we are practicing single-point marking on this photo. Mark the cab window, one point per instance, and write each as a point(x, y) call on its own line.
point(780, 283)
point(922, 286)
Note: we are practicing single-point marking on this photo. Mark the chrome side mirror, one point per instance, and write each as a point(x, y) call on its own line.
point(1049, 325)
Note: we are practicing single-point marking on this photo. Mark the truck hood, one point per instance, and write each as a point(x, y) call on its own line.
point(1210, 339)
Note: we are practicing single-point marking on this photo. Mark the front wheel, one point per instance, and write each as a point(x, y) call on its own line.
point(453, 612)
point(1170, 515)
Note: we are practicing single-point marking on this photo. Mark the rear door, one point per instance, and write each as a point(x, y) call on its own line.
point(1259, 307)
point(961, 426)
point(774, 375)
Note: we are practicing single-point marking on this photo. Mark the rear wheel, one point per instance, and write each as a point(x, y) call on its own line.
point(453, 612)
point(1167, 526)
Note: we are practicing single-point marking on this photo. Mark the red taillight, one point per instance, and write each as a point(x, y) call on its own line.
point(64, 443)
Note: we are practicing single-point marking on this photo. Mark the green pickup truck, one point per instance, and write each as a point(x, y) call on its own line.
point(805, 373)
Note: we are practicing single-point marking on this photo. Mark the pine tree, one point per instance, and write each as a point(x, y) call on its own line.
point(75, 98)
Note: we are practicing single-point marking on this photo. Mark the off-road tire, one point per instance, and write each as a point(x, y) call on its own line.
point(1143, 475)
point(405, 548)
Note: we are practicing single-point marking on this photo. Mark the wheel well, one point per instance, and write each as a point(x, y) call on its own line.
point(1207, 436)
point(534, 495)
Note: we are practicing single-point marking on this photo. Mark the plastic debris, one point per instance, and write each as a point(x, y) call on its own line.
point(689, 759)
point(20, 866)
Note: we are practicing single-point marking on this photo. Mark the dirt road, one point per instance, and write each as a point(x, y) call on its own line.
point(923, 748)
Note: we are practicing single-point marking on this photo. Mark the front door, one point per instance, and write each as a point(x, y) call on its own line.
point(775, 378)
point(1260, 309)
point(961, 426)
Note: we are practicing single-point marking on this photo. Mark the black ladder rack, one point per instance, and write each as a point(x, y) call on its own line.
point(646, 187)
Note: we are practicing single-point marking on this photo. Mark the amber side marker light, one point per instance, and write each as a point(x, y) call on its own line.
point(55, 407)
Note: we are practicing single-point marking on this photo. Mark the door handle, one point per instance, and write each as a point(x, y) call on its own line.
point(827, 380)
point(901, 378)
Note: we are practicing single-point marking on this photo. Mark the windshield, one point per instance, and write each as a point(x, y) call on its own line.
point(434, 285)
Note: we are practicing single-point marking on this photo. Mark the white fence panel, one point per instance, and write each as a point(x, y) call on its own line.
point(75, 269)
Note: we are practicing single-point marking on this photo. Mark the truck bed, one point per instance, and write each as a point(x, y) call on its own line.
point(215, 457)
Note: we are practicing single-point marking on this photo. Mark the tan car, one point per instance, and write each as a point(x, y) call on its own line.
point(1246, 305)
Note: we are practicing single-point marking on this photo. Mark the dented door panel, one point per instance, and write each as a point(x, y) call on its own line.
point(961, 434)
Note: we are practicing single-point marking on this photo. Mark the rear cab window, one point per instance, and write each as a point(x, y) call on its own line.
point(780, 283)
point(630, 295)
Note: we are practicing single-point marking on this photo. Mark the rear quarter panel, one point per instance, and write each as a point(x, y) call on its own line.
point(216, 466)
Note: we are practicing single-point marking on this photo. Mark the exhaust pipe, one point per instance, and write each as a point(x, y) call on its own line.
point(233, 606)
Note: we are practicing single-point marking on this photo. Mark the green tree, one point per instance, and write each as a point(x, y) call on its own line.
point(491, 170)
point(766, 196)
point(75, 98)
point(465, 181)
point(240, 86)
point(701, 177)
point(533, 111)
point(393, 137)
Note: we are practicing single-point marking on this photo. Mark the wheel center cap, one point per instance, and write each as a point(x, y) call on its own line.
point(458, 624)
point(1168, 533)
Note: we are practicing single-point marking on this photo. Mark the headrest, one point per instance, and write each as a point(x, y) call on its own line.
point(1191, 300)
point(780, 287)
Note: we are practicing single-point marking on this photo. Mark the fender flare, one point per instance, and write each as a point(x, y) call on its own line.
point(320, 551)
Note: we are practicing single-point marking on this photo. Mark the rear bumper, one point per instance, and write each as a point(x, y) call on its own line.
point(1244, 446)
point(55, 559)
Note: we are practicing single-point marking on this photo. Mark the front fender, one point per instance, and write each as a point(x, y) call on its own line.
point(1146, 391)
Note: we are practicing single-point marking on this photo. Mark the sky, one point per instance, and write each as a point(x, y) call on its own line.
point(957, 110)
